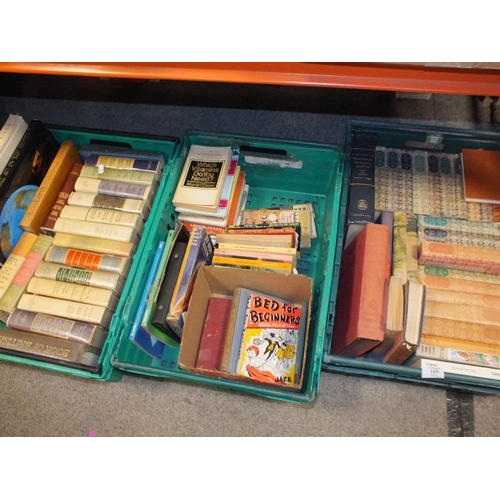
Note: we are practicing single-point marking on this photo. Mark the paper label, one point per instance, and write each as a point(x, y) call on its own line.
point(432, 372)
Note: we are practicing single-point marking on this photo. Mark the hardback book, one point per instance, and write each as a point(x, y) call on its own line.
point(20, 281)
point(459, 329)
point(113, 188)
point(54, 326)
point(94, 244)
point(259, 252)
point(270, 340)
point(400, 246)
point(69, 309)
point(435, 366)
point(462, 257)
point(49, 349)
point(166, 288)
point(20, 179)
point(71, 291)
point(236, 320)
point(467, 356)
point(104, 216)
point(109, 280)
point(110, 202)
point(214, 333)
point(406, 343)
point(481, 179)
point(124, 163)
point(394, 317)
point(463, 312)
point(361, 194)
point(463, 286)
point(458, 237)
point(97, 230)
point(15, 260)
point(285, 239)
point(224, 202)
point(458, 344)
point(199, 252)
point(468, 298)
point(10, 135)
point(87, 260)
point(203, 177)
point(114, 174)
point(139, 336)
point(365, 271)
point(151, 302)
point(457, 274)
point(49, 188)
point(252, 263)
point(458, 225)
point(411, 247)
point(61, 200)
point(236, 203)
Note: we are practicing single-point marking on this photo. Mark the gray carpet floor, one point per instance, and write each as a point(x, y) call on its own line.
point(36, 402)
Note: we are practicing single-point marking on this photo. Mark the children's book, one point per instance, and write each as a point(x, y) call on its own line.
point(273, 332)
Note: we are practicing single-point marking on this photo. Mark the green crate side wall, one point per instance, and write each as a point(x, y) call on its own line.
point(396, 136)
point(80, 138)
point(130, 358)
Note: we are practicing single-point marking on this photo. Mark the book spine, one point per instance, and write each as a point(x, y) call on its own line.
point(255, 255)
point(12, 139)
point(67, 274)
point(43, 347)
point(399, 246)
point(457, 274)
point(66, 309)
point(109, 202)
point(15, 260)
point(94, 244)
point(24, 274)
point(256, 248)
point(70, 291)
point(471, 298)
point(458, 237)
point(258, 263)
point(464, 312)
point(120, 151)
point(88, 260)
point(95, 229)
point(112, 174)
point(49, 188)
point(54, 326)
point(62, 199)
point(458, 344)
point(122, 163)
point(112, 188)
point(460, 285)
point(103, 216)
point(411, 248)
point(463, 257)
point(458, 355)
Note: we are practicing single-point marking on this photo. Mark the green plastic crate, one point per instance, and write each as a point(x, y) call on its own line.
point(278, 172)
point(82, 137)
point(396, 135)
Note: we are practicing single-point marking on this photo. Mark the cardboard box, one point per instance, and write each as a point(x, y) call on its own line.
point(223, 281)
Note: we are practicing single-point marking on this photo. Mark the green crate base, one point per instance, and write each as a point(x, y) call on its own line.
point(393, 135)
point(319, 182)
point(82, 137)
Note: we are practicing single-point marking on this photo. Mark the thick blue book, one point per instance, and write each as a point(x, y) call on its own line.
point(138, 335)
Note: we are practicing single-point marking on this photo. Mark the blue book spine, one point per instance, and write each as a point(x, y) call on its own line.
point(138, 335)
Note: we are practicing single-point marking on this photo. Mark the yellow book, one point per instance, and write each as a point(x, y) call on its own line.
point(49, 188)
point(72, 291)
point(257, 263)
point(100, 245)
point(466, 345)
point(117, 174)
point(15, 260)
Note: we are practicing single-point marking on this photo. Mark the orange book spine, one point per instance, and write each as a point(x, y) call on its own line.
point(466, 345)
point(459, 285)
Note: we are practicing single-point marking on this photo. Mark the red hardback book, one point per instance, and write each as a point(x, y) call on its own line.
point(214, 333)
point(360, 314)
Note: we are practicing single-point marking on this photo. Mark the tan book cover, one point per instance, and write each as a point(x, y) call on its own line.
point(93, 200)
point(462, 257)
point(481, 175)
point(452, 343)
point(459, 285)
point(72, 291)
point(470, 298)
point(118, 174)
point(482, 316)
point(101, 245)
point(15, 260)
point(105, 216)
point(69, 309)
point(96, 229)
point(49, 188)
point(20, 281)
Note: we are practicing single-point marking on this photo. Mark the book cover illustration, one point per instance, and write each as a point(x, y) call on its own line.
point(270, 340)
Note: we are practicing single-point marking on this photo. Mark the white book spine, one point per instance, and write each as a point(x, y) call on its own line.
point(96, 229)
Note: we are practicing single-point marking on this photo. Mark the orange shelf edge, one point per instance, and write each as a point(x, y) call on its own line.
point(366, 76)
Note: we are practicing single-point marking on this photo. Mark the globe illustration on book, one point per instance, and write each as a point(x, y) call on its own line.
point(10, 219)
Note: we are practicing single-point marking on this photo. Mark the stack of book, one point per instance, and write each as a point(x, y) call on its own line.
point(63, 279)
point(211, 190)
